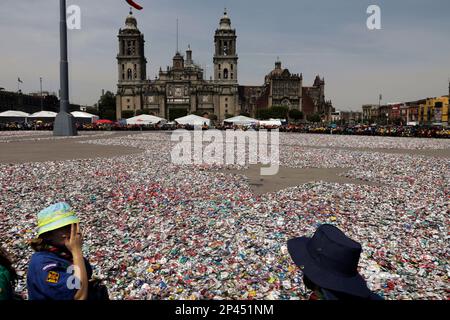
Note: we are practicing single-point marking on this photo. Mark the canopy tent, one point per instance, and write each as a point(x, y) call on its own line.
point(13, 114)
point(84, 117)
point(241, 120)
point(104, 121)
point(270, 123)
point(43, 114)
point(145, 119)
point(193, 120)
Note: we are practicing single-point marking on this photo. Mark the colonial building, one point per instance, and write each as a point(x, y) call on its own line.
point(283, 88)
point(182, 86)
point(181, 89)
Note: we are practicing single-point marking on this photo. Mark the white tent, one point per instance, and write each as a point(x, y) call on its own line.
point(241, 120)
point(13, 114)
point(145, 119)
point(271, 123)
point(193, 120)
point(83, 115)
point(43, 114)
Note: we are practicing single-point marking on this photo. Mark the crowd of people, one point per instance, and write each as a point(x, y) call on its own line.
point(363, 130)
point(373, 130)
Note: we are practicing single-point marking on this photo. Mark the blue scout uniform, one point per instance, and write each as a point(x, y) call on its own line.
point(48, 277)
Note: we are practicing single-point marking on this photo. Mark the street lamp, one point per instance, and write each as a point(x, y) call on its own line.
point(64, 122)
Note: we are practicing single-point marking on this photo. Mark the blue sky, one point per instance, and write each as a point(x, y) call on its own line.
point(408, 59)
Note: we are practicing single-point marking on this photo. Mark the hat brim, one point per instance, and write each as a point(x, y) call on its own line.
point(355, 285)
point(58, 224)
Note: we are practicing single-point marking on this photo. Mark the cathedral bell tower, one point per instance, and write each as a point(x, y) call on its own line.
point(132, 66)
point(225, 57)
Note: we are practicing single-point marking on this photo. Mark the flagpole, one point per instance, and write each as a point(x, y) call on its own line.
point(64, 122)
point(42, 102)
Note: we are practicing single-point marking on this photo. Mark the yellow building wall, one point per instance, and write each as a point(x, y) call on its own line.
point(425, 117)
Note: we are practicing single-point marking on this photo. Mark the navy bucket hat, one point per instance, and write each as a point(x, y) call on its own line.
point(330, 260)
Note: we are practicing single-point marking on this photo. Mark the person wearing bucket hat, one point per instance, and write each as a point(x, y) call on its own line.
point(58, 270)
point(329, 262)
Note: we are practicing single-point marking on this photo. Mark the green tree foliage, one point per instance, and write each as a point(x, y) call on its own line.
point(263, 114)
point(276, 112)
point(92, 110)
point(126, 114)
point(295, 114)
point(245, 114)
point(143, 111)
point(314, 118)
point(177, 113)
point(107, 106)
point(279, 112)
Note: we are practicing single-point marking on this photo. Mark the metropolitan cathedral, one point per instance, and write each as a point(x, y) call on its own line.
point(181, 89)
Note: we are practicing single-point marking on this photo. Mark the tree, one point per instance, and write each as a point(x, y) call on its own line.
point(126, 114)
point(199, 113)
point(92, 110)
point(279, 112)
point(107, 106)
point(142, 111)
point(314, 118)
point(245, 114)
point(228, 116)
point(177, 113)
point(295, 114)
point(263, 114)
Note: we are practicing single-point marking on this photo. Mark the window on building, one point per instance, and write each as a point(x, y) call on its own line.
point(123, 76)
point(129, 48)
point(129, 74)
point(226, 99)
point(220, 66)
point(220, 75)
point(232, 76)
point(225, 73)
point(232, 67)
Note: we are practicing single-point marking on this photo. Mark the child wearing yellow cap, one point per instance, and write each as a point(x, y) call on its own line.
point(58, 270)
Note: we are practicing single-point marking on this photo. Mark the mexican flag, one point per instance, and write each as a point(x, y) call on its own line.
point(134, 4)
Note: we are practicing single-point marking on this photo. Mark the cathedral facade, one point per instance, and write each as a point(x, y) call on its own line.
point(182, 89)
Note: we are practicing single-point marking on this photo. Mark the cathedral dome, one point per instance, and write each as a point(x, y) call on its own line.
point(225, 22)
point(278, 71)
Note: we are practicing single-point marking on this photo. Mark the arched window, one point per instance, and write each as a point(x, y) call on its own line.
point(129, 48)
point(225, 73)
point(130, 74)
